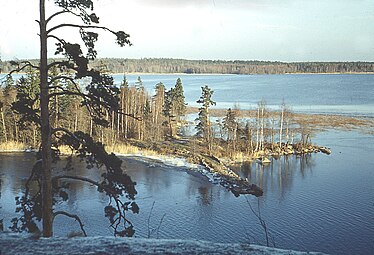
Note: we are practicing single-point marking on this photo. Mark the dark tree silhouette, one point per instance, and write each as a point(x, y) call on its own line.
point(204, 127)
point(174, 106)
point(99, 96)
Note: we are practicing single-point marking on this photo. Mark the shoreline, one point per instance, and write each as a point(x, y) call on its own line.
point(217, 167)
point(228, 74)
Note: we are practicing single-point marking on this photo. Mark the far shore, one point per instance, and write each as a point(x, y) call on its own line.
point(135, 73)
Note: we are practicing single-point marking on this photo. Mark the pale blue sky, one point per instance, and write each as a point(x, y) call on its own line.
point(284, 30)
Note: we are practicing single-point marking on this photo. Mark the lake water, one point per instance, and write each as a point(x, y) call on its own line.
point(348, 94)
point(313, 203)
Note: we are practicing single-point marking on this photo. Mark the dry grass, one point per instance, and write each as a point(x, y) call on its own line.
point(241, 157)
point(126, 149)
point(334, 121)
point(313, 121)
point(12, 146)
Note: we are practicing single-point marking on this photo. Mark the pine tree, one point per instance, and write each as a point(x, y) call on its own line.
point(175, 106)
point(204, 128)
point(179, 99)
point(230, 124)
point(100, 97)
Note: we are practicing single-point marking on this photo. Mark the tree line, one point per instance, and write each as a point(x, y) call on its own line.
point(166, 65)
point(140, 116)
point(151, 117)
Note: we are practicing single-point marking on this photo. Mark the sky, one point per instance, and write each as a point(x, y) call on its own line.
point(274, 30)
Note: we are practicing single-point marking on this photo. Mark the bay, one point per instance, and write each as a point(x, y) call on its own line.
point(313, 203)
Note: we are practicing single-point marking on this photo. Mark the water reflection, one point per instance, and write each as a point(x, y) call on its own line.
point(206, 195)
point(155, 181)
point(278, 176)
point(294, 204)
point(1, 182)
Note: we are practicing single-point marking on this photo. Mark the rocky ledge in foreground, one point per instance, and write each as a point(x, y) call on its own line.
point(19, 245)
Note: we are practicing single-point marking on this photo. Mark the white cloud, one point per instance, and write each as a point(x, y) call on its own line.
point(219, 29)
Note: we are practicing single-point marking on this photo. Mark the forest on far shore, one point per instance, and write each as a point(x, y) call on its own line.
point(167, 65)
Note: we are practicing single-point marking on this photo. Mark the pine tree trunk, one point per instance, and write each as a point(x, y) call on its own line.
point(46, 130)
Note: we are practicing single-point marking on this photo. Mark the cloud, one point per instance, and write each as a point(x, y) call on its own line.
point(174, 3)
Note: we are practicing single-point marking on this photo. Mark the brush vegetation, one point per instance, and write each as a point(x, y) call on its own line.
point(153, 125)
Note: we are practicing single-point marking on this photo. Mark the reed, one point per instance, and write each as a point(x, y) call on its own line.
point(12, 146)
point(129, 149)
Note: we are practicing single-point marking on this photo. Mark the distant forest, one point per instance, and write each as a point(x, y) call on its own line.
point(166, 65)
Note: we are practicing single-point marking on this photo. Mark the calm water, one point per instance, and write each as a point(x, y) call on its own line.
point(321, 203)
point(349, 94)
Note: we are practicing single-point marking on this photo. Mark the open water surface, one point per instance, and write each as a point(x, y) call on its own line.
point(313, 203)
point(349, 94)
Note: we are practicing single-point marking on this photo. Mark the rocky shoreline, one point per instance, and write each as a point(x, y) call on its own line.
point(219, 167)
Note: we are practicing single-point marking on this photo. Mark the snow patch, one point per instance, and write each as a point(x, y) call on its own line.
point(173, 161)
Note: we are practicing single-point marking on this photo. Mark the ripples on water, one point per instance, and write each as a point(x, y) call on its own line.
point(316, 202)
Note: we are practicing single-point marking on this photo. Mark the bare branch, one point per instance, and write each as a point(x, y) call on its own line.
point(56, 14)
point(57, 38)
point(149, 220)
point(84, 179)
point(81, 26)
point(74, 216)
point(64, 77)
point(58, 63)
point(159, 225)
point(60, 129)
point(262, 222)
point(25, 64)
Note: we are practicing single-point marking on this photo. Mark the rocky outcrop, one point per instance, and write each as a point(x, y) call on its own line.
point(14, 244)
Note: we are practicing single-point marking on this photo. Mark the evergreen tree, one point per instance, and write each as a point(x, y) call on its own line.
point(179, 99)
point(168, 111)
point(175, 106)
point(203, 127)
point(100, 97)
point(230, 124)
point(139, 82)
